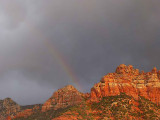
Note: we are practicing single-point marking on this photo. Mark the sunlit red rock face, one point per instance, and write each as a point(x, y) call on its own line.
point(62, 98)
point(125, 79)
point(130, 81)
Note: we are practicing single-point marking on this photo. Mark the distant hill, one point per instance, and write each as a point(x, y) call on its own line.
point(124, 94)
point(10, 108)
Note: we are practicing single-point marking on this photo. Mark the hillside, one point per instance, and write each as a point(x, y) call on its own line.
point(124, 94)
point(113, 107)
point(8, 107)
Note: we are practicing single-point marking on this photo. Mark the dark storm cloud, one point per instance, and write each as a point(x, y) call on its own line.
point(94, 37)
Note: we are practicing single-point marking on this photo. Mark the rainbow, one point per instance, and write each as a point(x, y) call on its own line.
point(66, 67)
point(56, 54)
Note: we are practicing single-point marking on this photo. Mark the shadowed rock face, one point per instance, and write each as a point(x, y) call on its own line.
point(25, 112)
point(62, 98)
point(130, 81)
point(136, 85)
point(8, 107)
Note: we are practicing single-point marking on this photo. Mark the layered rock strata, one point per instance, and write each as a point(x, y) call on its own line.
point(128, 80)
point(62, 98)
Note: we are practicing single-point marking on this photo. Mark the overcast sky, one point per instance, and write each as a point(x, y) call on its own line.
point(90, 37)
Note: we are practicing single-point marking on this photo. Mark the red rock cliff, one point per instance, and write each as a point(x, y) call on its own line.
point(130, 81)
point(62, 98)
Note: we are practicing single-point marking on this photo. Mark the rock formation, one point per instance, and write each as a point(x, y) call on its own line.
point(8, 107)
point(128, 80)
point(62, 98)
point(125, 93)
point(26, 112)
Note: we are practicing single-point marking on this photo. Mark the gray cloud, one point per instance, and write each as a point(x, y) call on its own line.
point(93, 37)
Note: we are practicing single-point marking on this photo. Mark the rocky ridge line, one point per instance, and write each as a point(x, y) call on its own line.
point(128, 80)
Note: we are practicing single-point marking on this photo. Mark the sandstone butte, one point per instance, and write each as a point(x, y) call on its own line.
point(125, 79)
point(62, 98)
point(128, 80)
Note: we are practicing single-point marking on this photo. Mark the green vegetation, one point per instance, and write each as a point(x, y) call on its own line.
point(119, 107)
point(150, 110)
point(48, 115)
